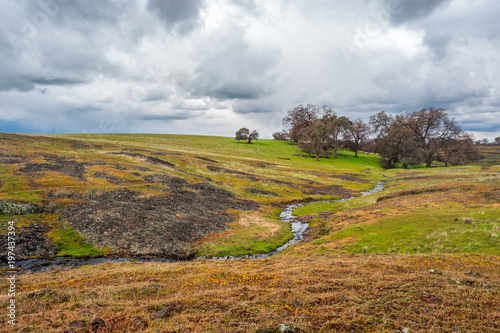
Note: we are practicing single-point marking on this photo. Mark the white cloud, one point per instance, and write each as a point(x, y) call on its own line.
point(208, 67)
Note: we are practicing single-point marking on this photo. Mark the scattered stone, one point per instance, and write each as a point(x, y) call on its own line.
point(297, 303)
point(206, 159)
point(57, 164)
point(405, 330)
point(167, 312)
point(264, 330)
point(39, 293)
point(468, 222)
point(97, 322)
point(474, 273)
point(77, 326)
point(139, 322)
point(284, 328)
point(264, 192)
point(31, 241)
point(104, 175)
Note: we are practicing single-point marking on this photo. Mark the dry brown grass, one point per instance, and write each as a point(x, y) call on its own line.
point(323, 293)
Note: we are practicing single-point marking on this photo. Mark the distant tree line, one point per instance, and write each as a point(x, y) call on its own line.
point(419, 137)
point(486, 142)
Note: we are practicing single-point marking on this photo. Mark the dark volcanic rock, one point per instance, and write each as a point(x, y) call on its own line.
point(234, 172)
point(104, 175)
point(57, 164)
point(97, 323)
point(167, 312)
point(257, 191)
point(31, 241)
point(206, 159)
point(149, 159)
point(166, 225)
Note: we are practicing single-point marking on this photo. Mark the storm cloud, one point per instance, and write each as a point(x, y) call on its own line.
point(211, 67)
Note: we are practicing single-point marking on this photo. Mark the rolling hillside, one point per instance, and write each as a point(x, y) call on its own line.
point(421, 255)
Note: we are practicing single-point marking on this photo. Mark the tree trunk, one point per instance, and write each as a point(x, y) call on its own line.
point(249, 140)
point(355, 153)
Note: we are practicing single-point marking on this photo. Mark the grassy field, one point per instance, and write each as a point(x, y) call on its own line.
point(422, 255)
point(62, 170)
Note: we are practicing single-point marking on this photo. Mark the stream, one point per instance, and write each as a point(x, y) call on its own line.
point(299, 231)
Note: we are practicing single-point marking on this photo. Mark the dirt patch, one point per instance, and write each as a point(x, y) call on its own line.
point(57, 164)
point(31, 241)
point(264, 192)
point(234, 172)
point(166, 225)
point(206, 159)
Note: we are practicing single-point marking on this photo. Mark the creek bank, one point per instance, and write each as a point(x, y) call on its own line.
point(299, 230)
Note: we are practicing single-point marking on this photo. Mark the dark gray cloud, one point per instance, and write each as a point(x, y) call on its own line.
point(407, 10)
point(438, 41)
point(232, 68)
point(58, 81)
point(179, 16)
point(166, 117)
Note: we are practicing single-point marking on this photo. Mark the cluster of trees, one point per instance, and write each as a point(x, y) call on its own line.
point(245, 134)
point(415, 138)
point(486, 142)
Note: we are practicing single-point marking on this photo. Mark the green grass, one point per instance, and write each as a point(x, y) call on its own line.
point(71, 243)
point(242, 240)
point(319, 207)
point(271, 163)
point(226, 148)
point(427, 231)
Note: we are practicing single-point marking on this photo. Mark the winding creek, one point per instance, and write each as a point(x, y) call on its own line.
point(299, 230)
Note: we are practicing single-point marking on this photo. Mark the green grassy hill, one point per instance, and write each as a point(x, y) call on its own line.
point(421, 255)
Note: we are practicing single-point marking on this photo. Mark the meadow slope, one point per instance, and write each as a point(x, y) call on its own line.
point(422, 255)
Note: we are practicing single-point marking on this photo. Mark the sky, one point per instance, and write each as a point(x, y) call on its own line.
point(212, 67)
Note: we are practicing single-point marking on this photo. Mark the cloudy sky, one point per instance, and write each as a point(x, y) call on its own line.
point(211, 67)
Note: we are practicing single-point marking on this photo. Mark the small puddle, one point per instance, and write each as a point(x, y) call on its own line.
point(299, 231)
